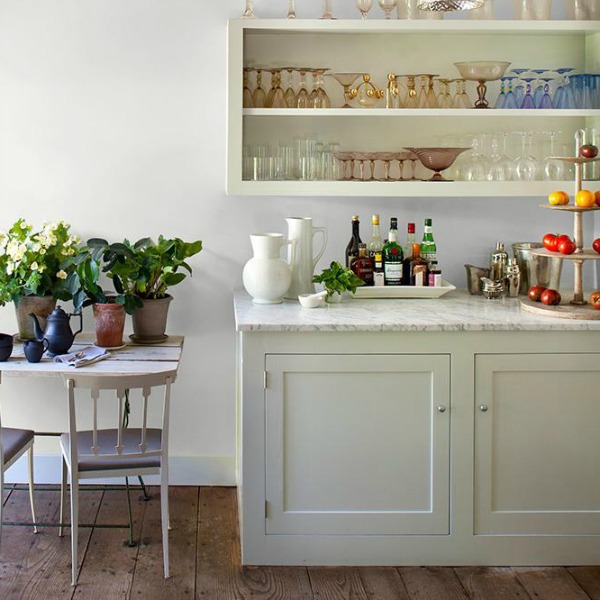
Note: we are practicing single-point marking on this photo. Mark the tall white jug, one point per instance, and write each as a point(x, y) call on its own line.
point(266, 275)
point(303, 258)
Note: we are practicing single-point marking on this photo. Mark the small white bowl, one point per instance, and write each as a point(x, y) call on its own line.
point(312, 300)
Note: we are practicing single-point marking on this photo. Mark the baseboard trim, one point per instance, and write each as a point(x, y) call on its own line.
point(183, 470)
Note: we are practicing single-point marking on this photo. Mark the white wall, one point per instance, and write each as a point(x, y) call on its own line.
point(112, 116)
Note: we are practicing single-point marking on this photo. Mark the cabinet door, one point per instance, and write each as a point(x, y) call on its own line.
point(357, 444)
point(537, 444)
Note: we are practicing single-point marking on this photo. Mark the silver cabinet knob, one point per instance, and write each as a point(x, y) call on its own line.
point(483, 407)
point(441, 408)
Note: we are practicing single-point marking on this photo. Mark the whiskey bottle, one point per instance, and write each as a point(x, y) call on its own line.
point(363, 265)
point(352, 247)
point(419, 271)
point(428, 247)
point(392, 256)
point(375, 244)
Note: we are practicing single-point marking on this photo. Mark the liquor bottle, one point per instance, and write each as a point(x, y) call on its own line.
point(363, 265)
point(352, 247)
point(435, 275)
point(392, 256)
point(428, 247)
point(410, 240)
point(375, 244)
point(418, 268)
point(378, 274)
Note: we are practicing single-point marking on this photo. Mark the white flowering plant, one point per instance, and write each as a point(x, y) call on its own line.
point(36, 262)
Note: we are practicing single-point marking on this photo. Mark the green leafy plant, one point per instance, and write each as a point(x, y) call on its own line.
point(141, 271)
point(337, 278)
point(36, 262)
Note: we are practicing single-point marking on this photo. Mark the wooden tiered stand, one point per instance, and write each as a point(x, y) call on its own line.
point(575, 307)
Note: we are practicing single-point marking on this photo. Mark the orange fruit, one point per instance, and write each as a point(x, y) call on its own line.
point(597, 194)
point(585, 199)
point(558, 198)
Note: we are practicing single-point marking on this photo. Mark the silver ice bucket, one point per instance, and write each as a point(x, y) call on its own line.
point(536, 270)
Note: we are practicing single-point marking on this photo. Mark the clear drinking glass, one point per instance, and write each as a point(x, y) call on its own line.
point(249, 12)
point(387, 6)
point(327, 14)
point(554, 170)
point(485, 12)
point(364, 6)
point(526, 165)
point(291, 9)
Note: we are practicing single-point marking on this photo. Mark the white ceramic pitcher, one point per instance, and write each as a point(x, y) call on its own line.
point(266, 275)
point(301, 230)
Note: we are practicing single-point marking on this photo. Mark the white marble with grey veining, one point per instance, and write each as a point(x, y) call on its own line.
point(456, 311)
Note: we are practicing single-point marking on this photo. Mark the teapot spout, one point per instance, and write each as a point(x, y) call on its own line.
point(39, 334)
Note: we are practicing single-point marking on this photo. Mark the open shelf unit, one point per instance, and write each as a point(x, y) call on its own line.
point(379, 47)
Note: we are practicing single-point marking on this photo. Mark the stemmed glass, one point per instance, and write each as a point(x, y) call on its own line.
point(501, 164)
point(346, 80)
point(478, 166)
point(387, 6)
point(519, 88)
point(364, 6)
point(411, 95)
point(319, 96)
point(276, 97)
point(554, 170)
point(327, 14)
point(291, 9)
point(303, 98)
point(510, 101)
point(249, 12)
point(563, 96)
point(526, 166)
point(259, 98)
point(544, 101)
point(247, 97)
point(528, 98)
point(290, 96)
point(501, 99)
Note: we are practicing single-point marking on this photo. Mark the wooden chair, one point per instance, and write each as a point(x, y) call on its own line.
point(13, 444)
point(119, 451)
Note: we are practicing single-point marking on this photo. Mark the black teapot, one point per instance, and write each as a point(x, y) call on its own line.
point(58, 332)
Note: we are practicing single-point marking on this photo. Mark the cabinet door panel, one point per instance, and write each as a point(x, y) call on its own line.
point(356, 444)
point(537, 456)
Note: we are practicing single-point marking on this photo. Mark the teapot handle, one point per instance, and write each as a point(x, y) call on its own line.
point(80, 315)
point(322, 230)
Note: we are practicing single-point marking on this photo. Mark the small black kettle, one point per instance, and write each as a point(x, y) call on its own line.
point(58, 332)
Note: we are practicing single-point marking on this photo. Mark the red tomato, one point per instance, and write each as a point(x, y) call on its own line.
point(550, 242)
point(596, 245)
point(535, 292)
point(595, 299)
point(566, 246)
point(588, 151)
point(550, 297)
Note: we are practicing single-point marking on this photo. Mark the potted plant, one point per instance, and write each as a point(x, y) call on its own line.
point(142, 273)
point(93, 260)
point(34, 267)
point(337, 280)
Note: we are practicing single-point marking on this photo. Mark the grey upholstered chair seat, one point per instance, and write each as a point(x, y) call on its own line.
point(13, 442)
point(107, 457)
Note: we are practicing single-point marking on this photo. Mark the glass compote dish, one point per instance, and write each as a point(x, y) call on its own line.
point(437, 159)
point(346, 80)
point(482, 71)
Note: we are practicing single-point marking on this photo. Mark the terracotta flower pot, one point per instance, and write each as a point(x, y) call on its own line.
point(110, 323)
point(150, 320)
point(40, 306)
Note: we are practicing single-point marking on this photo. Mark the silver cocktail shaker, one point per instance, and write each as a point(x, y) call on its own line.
point(513, 278)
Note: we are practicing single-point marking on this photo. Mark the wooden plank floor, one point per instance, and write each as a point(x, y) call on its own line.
point(205, 560)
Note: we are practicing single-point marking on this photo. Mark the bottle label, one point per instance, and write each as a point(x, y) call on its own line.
point(378, 279)
point(393, 273)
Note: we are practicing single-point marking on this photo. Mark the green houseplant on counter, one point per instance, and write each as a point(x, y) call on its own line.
point(337, 279)
point(142, 273)
point(34, 267)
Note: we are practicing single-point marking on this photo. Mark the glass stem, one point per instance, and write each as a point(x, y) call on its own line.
point(249, 12)
point(291, 9)
point(327, 10)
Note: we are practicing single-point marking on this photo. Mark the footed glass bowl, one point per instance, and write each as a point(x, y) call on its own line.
point(437, 159)
point(482, 71)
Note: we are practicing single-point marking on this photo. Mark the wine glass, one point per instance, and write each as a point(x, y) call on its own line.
point(291, 9)
point(276, 97)
point(545, 101)
point(526, 166)
point(247, 96)
point(290, 96)
point(327, 14)
point(320, 98)
point(249, 12)
point(554, 169)
point(528, 98)
point(563, 95)
point(519, 88)
point(538, 92)
point(387, 6)
point(259, 98)
point(501, 165)
point(303, 97)
point(478, 167)
point(364, 6)
point(411, 94)
point(511, 100)
point(501, 99)
point(346, 80)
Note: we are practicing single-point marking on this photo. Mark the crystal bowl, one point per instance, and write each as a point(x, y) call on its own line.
point(437, 159)
point(482, 70)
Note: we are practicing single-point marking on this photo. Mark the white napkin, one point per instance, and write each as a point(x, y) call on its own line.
point(86, 356)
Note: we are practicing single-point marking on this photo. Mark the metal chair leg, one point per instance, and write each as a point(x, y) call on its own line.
point(144, 490)
point(131, 542)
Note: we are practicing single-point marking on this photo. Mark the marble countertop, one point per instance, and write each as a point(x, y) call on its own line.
point(456, 311)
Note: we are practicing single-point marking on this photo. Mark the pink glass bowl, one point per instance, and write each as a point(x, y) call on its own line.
point(437, 159)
